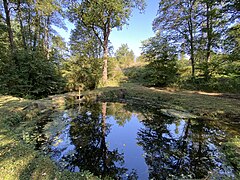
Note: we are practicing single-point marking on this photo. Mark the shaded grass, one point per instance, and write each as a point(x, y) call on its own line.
point(18, 159)
point(232, 151)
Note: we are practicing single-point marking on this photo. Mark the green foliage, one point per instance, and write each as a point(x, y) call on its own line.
point(215, 84)
point(162, 67)
point(208, 33)
point(13, 120)
point(200, 29)
point(124, 56)
point(31, 54)
point(35, 76)
point(139, 74)
point(101, 13)
point(223, 72)
point(82, 72)
point(232, 43)
point(99, 18)
point(115, 72)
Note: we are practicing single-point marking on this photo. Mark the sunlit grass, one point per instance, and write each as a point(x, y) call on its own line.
point(200, 103)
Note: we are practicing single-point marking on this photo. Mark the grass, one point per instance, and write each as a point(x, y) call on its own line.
point(211, 105)
point(19, 160)
point(232, 152)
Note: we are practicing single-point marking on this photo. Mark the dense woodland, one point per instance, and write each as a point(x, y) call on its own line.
point(196, 46)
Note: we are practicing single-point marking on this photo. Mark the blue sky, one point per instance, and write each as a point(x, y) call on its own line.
point(139, 29)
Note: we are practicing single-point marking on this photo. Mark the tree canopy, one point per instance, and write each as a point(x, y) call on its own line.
point(101, 17)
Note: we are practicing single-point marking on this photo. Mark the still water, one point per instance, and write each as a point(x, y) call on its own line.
point(134, 142)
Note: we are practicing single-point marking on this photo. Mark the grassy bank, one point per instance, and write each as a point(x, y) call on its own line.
point(203, 104)
point(18, 159)
point(18, 119)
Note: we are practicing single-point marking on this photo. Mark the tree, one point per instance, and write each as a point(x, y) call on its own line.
point(9, 26)
point(232, 42)
point(213, 26)
point(162, 57)
point(84, 43)
point(124, 55)
point(215, 21)
point(31, 66)
point(179, 20)
point(197, 27)
point(101, 17)
point(83, 67)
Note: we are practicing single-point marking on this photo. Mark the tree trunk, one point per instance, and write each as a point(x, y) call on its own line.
point(36, 29)
point(190, 26)
point(21, 25)
point(47, 37)
point(9, 27)
point(105, 62)
point(105, 59)
point(29, 24)
point(209, 41)
point(192, 50)
point(103, 142)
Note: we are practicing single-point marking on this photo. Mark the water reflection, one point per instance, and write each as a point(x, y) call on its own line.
point(183, 149)
point(88, 132)
point(127, 142)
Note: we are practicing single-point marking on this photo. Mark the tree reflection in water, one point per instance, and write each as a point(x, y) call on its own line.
point(88, 133)
point(157, 146)
point(181, 148)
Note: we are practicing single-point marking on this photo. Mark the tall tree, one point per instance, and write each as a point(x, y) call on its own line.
point(101, 17)
point(84, 43)
point(31, 70)
point(9, 26)
point(82, 69)
point(214, 26)
point(178, 19)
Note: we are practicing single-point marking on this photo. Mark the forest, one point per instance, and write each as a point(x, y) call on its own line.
point(196, 46)
point(181, 94)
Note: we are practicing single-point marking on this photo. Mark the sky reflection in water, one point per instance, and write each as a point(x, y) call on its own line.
point(129, 142)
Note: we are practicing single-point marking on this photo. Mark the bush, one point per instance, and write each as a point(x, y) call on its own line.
point(13, 120)
point(217, 84)
point(30, 75)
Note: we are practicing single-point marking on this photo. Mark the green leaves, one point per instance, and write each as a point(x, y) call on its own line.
point(124, 55)
point(162, 57)
point(82, 71)
point(98, 18)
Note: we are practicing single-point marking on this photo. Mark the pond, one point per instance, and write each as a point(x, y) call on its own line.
point(135, 142)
